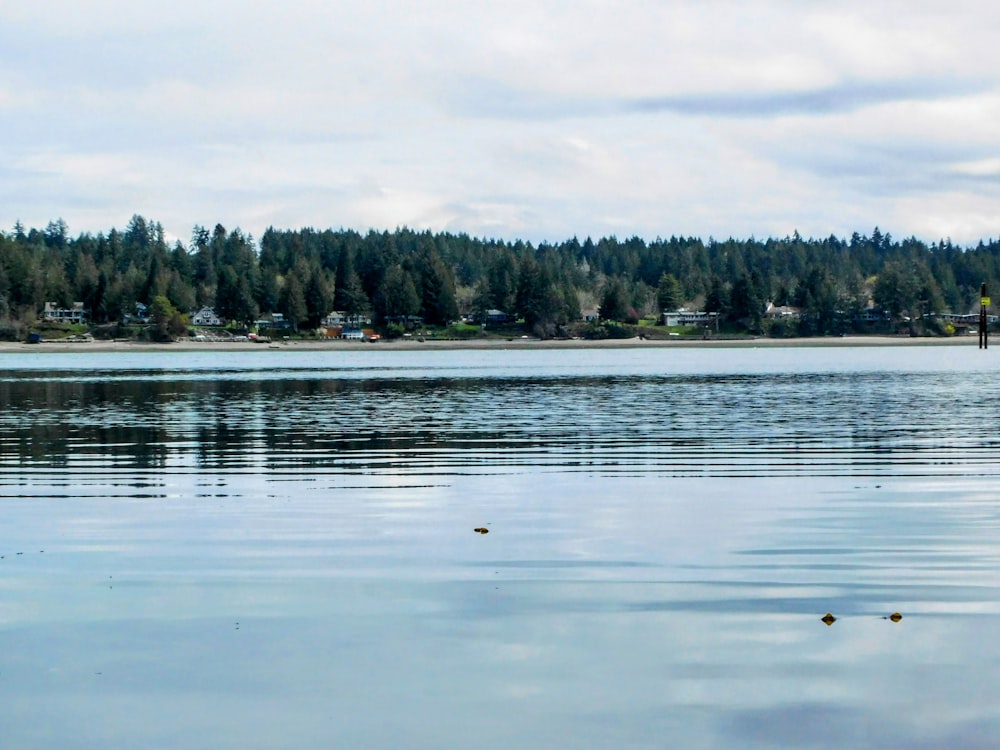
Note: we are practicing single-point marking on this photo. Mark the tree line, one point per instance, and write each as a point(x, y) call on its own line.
point(405, 274)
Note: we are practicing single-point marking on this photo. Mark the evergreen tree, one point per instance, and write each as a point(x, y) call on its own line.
point(397, 296)
point(267, 293)
point(668, 293)
point(538, 299)
point(436, 289)
point(745, 302)
point(348, 291)
point(234, 300)
point(897, 288)
point(501, 282)
point(614, 301)
point(717, 299)
point(293, 301)
point(318, 296)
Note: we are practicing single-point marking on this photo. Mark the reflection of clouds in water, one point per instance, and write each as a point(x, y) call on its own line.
point(516, 652)
point(810, 725)
point(664, 537)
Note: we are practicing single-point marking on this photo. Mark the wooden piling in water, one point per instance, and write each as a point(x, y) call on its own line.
point(984, 302)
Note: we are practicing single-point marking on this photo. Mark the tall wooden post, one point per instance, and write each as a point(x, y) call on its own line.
point(984, 302)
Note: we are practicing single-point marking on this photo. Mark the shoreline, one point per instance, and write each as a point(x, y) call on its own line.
point(480, 344)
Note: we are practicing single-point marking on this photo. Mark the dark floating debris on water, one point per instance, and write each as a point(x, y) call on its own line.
point(482, 530)
point(828, 618)
point(895, 617)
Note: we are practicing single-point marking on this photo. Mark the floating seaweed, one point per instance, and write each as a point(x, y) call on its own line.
point(482, 530)
point(828, 618)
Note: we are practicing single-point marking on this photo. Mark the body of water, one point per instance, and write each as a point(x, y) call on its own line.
point(275, 549)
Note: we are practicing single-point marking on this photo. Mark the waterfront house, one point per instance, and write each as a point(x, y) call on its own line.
point(334, 319)
point(782, 312)
point(141, 315)
point(684, 317)
point(273, 321)
point(872, 314)
point(205, 317)
point(56, 314)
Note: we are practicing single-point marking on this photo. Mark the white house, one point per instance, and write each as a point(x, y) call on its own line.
point(334, 319)
point(968, 318)
point(75, 314)
point(782, 312)
point(205, 317)
point(684, 317)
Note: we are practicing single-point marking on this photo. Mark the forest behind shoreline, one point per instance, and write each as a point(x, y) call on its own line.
point(403, 275)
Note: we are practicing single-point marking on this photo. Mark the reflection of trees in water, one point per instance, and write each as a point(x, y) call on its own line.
point(59, 445)
point(66, 423)
point(284, 423)
point(704, 424)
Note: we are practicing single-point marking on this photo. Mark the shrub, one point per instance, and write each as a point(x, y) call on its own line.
point(607, 330)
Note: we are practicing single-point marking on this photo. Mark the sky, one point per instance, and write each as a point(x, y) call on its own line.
point(538, 120)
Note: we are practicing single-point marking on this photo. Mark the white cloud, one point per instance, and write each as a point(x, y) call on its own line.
point(539, 120)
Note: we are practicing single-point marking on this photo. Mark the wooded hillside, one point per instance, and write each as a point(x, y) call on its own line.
point(304, 274)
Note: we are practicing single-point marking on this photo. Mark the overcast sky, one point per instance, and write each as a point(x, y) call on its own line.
point(539, 119)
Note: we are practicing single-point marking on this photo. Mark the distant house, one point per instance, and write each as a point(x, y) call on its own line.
point(407, 320)
point(496, 316)
point(273, 321)
point(352, 334)
point(969, 319)
point(590, 315)
point(684, 317)
point(56, 314)
point(872, 315)
point(334, 319)
point(782, 312)
point(205, 317)
point(141, 315)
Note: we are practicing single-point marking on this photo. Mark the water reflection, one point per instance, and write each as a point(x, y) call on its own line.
point(733, 425)
point(661, 548)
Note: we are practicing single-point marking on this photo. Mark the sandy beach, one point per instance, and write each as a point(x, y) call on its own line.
point(451, 344)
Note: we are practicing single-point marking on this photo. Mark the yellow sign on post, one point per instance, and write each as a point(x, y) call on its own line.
point(984, 301)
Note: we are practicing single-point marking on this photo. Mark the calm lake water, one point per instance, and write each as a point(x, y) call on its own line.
point(275, 549)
